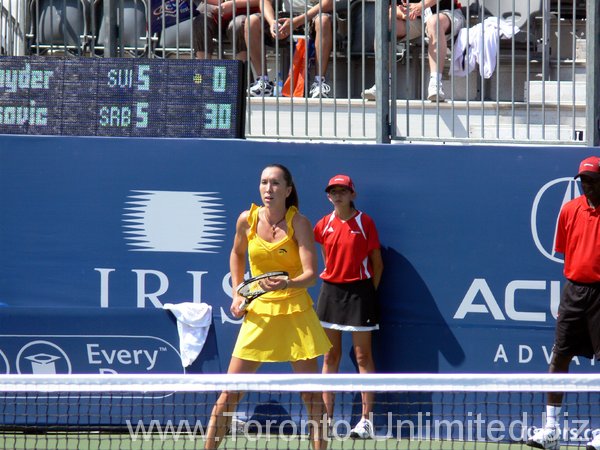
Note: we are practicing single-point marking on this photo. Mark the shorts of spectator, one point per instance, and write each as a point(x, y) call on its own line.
point(416, 26)
point(206, 29)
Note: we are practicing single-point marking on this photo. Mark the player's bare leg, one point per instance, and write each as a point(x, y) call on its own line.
point(331, 364)
point(220, 418)
point(362, 341)
point(253, 36)
point(558, 364)
point(324, 42)
point(317, 415)
point(221, 415)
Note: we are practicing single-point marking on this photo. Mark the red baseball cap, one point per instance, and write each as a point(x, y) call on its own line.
point(340, 180)
point(589, 166)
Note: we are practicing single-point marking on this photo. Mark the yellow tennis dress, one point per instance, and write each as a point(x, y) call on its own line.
point(280, 325)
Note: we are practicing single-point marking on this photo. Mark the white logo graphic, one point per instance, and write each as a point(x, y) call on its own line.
point(43, 364)
point(167, 221)
point(6, 364)
point(43, 357)
point(549, 214)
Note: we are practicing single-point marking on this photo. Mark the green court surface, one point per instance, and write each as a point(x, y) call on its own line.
point(85, 441)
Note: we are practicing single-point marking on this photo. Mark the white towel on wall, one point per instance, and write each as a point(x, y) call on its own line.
point(193, 323)
point(482, 42)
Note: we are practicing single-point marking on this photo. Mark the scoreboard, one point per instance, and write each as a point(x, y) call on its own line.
point(122, 97)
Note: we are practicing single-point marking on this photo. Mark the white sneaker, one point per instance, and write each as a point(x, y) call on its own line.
point(548, 438)
point(237, 426)
point(594, 444)
point(370, 94)
point(260, 88)
point(319, 90)
point(435, 92)
point(362, 430)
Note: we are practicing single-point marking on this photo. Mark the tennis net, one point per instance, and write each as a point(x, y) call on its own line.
point(411, 411)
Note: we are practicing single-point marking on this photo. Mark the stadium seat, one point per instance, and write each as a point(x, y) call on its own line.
point(361, 35)
point(132, 29)
point(360, 18)
point(58, 26)
point(174, 38)
point(522, 14)
point(361, 21)
point(567, 6)
point(523, 11)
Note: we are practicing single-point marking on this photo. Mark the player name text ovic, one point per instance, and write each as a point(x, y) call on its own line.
point(11, 80)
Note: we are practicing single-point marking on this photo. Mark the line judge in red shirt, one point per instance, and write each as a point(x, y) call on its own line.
point(578, 322)
point(348, 299)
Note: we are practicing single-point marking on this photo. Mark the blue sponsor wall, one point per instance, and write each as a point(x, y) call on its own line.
point(470, 278)
point(108, 230)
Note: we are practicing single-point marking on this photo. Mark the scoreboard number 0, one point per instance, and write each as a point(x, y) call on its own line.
point(219, 79)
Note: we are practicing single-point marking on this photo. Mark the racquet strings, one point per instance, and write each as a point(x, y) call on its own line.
point(251, 289)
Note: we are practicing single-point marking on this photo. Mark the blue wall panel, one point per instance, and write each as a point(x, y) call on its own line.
point(470, 282)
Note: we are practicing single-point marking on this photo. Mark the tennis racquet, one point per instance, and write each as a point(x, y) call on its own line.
point(251, 288)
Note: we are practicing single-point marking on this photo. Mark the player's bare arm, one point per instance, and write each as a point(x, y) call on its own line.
point(237, 260)
point(377, 264)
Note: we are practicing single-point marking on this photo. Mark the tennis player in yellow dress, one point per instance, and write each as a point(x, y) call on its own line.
point(281, 325)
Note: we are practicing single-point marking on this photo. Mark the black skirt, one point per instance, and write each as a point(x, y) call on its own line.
point(349, 304)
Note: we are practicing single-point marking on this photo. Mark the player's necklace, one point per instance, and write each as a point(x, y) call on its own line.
point(274, 225)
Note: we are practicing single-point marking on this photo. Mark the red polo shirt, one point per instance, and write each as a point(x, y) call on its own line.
point(347, 246)
point(578, 238)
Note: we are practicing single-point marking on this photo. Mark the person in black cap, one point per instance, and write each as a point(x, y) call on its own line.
point(578, 322)
point(348, 299)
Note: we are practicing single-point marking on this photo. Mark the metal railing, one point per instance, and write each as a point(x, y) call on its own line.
point(12, 32)
point(534, 90)
point(535, 94)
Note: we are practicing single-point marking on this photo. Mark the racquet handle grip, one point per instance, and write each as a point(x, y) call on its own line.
point(244, 305)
